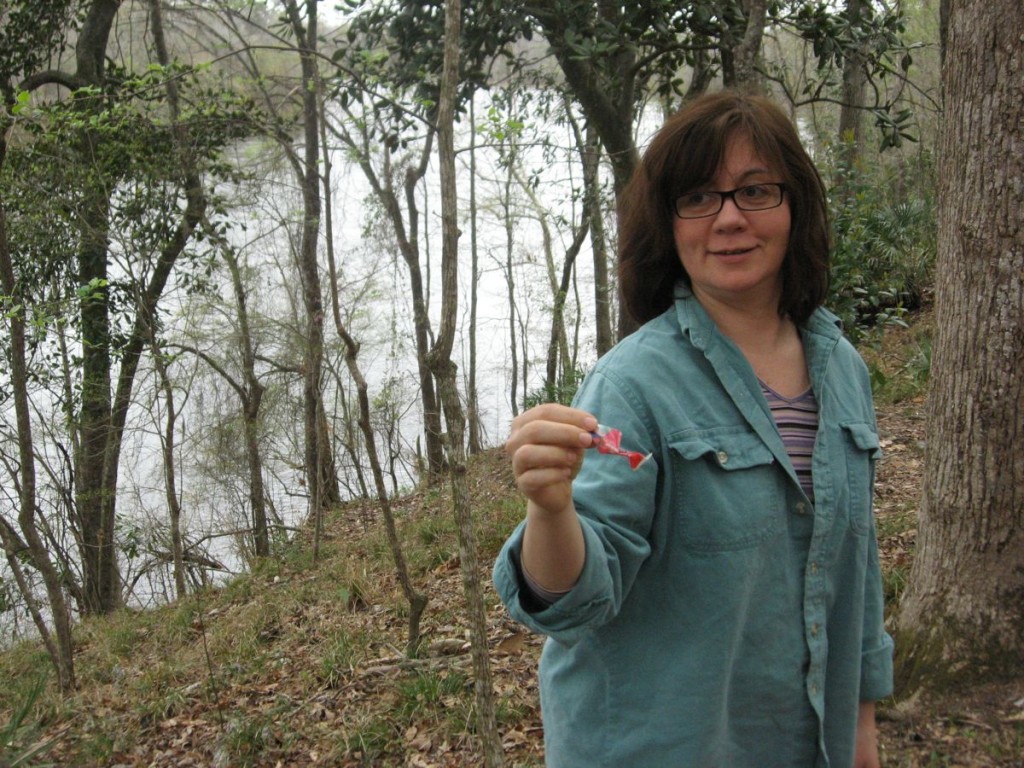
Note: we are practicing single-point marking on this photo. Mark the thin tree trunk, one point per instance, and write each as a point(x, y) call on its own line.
point(603, 291)
point(61, 650)
point(445, 371)
point(510, 284)
point(416, 599)
point(558, 359)
point(170, 485)
point(472, 399)
point(318, 463)
point(251, 395)
point(407, 237)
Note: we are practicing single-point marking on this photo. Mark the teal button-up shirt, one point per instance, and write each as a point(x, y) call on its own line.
point(721, 620)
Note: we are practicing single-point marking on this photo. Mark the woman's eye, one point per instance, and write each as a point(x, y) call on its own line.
point(695, 198)
point(755, 192)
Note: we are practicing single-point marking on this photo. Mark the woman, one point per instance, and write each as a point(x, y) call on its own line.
point(721, 605)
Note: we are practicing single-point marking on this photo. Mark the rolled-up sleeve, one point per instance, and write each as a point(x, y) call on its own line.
point(876, 676)
point(615, 505)
point(588, 604)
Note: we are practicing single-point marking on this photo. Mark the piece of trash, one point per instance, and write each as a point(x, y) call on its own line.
point(608, 440)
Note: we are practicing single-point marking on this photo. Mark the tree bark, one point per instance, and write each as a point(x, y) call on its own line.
point(251, 395)
point(740, 56)
point(407, 237)
point(475, 426)
point(510, 279)
point(604, 87)
point(962, 617)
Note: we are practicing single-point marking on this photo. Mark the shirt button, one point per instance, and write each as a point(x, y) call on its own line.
point(814, 568)
point(815, 628)
point(723, 457)
point(801, 508)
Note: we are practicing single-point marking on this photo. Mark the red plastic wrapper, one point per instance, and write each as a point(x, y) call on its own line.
point(609, 440)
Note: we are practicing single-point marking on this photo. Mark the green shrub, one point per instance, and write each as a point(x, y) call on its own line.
point(884, 244)
point(560, 392)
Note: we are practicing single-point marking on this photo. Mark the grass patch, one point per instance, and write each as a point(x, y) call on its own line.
point(431, 695)
point(371, 741)
point(899, 362)
point(21, 740)
point(246, 738)
point(341, 654)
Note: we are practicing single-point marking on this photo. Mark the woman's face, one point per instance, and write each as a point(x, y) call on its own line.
point(735, 257)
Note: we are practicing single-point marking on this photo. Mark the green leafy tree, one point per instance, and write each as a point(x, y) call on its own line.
point(615, 58)
point(112, 167)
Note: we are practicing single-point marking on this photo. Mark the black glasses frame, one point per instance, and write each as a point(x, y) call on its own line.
point(730, 194)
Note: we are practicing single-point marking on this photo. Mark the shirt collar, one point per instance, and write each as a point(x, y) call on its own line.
point(698, 325)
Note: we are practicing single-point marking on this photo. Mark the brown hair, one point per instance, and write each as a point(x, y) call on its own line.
point(684, 155)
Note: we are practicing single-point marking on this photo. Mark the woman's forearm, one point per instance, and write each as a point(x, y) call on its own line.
point(553, 547)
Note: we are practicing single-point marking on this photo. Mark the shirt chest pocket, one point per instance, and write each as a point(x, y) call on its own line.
point(862, 449)
point(728, 489)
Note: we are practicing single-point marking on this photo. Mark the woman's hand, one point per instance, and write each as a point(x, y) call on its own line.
point(546, 446)
point(866, 755)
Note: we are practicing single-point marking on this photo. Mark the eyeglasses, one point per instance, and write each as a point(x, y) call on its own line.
point(753, 197)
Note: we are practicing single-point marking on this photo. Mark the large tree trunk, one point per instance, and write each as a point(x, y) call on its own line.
point(94, 499)
point(855, 80)
point(851, 111)
point(963, 615)
point(741, 47)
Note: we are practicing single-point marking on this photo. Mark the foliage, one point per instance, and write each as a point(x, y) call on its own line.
point(561, 392)
point(400, 42)
point(907, 382)
point(30, 34)
point(878, 37)
point(130, 152)
point(883, 251)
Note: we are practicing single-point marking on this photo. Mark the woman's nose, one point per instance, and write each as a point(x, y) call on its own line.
point(730, 216)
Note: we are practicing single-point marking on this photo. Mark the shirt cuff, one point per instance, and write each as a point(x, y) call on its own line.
point(547, 597)
point(876, 671)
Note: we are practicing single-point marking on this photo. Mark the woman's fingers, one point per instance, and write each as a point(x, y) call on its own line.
point(532, 457)
point(551, 424)
point(546, 446)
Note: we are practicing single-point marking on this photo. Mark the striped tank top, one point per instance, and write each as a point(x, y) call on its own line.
point(797, 420)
